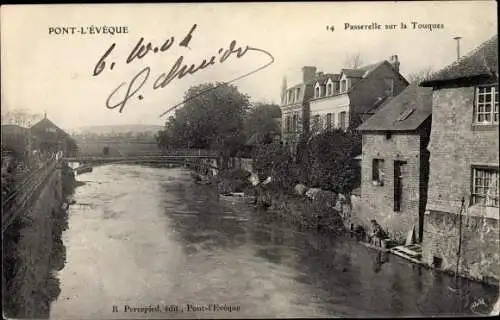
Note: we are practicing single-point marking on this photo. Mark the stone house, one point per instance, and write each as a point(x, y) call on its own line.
point(294, 108)
point(342, 100)
point(395, 164)
point(462, 205)
point(50, 138)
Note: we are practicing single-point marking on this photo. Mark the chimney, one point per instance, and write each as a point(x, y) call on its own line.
point(395, 62)
point(308, 74)
point(283, 90)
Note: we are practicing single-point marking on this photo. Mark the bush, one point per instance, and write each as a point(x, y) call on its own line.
point(329, 159)
point(275, 161)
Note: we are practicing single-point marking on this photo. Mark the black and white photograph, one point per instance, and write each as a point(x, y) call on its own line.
point(250, 160)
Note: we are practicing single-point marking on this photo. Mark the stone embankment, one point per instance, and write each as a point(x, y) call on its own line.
point(34, 251)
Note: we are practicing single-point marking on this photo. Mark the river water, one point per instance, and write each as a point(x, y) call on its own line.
point(147, 237)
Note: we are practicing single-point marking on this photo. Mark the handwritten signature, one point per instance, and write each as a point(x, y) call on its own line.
point(127, 90)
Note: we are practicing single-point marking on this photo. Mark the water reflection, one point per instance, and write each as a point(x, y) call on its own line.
point(175, 242)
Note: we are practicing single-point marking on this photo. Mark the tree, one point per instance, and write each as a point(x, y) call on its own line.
point(20, 117)
point(212, 117)
point(261, 121)
point(331, 160)
point(353, 61)
point(419, 76)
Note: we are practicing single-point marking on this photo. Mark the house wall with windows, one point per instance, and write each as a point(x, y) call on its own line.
point(353, 94)
point(464, 164)
point(396, 212)
point(294, 105)
point(330, 108)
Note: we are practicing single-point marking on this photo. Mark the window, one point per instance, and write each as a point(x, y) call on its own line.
point(316, 123)
point(486, 108)
point(288, 125)
point(343, 86)
point(290, 96)
point(328, 121)
point(316, 92)
point(485, 186)
point(295, 123)
point(342, 120)
point(399, 168)
point(378, 172)
point(330, 89)
point(298, 94)
point(403, 116)
point(337, 86)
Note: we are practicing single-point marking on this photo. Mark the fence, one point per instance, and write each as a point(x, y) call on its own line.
point(24, 191)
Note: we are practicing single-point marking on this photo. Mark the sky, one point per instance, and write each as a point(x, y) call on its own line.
point(46, 72)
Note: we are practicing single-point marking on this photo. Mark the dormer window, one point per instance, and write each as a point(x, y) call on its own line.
point(317, 91)
point(329, 89)
point(343, 86)
point(486, 105)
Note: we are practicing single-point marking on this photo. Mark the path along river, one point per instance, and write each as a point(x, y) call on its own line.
point(148, 237)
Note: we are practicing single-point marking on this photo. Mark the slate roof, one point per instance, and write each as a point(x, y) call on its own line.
point(405, 112)
point(41, 126)
point(482, 61)
point(323, 79)
point(353, 73)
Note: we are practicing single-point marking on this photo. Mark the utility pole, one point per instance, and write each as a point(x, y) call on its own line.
point(458, 47)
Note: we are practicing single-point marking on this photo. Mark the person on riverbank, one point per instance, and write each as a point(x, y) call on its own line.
point(378, 234)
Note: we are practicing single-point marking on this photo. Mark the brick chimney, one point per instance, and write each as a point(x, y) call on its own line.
point(395, 62)
point(308, 74)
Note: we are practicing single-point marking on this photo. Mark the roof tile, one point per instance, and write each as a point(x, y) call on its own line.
point(482, 61)
point(405, 112)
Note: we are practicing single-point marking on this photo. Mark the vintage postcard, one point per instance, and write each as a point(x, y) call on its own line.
point(250, 160)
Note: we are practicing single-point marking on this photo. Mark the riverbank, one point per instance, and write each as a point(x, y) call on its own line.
point(34, 251)
point(315, 210)
point(319, 213)
point(322, 212)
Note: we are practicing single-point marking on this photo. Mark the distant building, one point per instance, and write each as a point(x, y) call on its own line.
point(295, 108)
point(50, 138)
point(395, 163)
point(464, 165)
point(343, 100)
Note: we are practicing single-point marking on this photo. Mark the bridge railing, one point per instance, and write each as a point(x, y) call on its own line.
point(146, 155)
point(24, 191)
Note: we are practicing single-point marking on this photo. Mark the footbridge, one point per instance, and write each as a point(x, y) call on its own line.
point(160, 157)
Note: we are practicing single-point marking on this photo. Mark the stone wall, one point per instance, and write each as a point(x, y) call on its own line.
point(377, 201)
point(480, 258)
point(455, 146)
point(35, 251)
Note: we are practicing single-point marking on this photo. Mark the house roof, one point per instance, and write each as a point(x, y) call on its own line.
point(45, 123)
point(353, 73)
point(323, 79)
point(482, 61)
point(405, 112)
